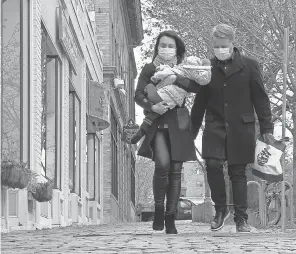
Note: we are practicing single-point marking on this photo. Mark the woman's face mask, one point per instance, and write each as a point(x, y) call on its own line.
point(167, 48)
point(166, 53)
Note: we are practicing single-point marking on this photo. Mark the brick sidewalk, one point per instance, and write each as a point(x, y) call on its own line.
point(139, 238)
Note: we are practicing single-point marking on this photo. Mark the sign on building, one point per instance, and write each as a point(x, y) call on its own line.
point(98, 106)
point(129, 130)
point(68, 41)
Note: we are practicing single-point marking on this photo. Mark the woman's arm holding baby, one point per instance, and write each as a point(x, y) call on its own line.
point(171, 76)
point(140, 93)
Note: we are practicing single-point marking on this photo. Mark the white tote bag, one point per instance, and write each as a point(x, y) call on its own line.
point(268, 156)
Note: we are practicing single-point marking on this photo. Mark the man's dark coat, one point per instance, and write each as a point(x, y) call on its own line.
point(228, 103)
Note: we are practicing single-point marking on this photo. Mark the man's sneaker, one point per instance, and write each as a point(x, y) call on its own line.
point(242, 226)
point(219, 219)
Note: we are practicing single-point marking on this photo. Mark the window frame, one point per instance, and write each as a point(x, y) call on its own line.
point(24, 69)
point(72, 92)
point(133, 180)
point(58, 130)
point(114, 154)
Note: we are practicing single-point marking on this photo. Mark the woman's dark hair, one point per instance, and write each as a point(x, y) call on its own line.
point(179, 44)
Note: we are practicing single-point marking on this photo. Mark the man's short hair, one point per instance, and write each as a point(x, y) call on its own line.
point(224, 31)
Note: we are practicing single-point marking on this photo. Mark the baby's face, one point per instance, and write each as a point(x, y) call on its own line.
point(192, 60)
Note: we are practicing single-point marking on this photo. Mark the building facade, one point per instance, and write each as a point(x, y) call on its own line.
point(119, 30)
point(61, 113)
point(193, 184)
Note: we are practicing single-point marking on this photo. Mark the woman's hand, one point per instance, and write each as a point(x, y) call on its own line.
point(160, 108)
point(161, 75)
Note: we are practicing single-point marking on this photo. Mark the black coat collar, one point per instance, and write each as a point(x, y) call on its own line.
point(236, 63)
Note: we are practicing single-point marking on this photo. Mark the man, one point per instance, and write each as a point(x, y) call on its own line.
point(236, 89)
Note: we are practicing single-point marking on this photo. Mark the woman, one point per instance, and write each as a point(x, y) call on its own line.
point(169, 140)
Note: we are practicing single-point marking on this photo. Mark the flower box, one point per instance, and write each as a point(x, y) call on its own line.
point(15, 175)
point(42, 192)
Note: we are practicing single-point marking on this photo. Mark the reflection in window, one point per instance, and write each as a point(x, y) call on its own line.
point(98, 169)
point(114, 155)
point(91, 164)
point(48, 111)
point(11, 83)
point(133, 180)
point(3, 197)
point(93, 167)
point(50, 116)
point(74, 142)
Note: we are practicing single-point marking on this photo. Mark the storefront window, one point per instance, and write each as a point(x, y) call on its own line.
point(74, 141)
point(51, 115)
point(91, 164)
point(133, 180)
point(93, 148)
point(15, 81)
point(93, 167)
point(114, 155)
point(98, 169)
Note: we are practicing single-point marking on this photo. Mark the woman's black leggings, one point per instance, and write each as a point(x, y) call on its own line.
point(167, 174)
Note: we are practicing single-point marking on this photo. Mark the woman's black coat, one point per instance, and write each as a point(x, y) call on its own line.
point(178, 119)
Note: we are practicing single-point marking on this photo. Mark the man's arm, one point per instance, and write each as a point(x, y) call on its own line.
point(260, 100)
point(187, 84)
point(198, 109)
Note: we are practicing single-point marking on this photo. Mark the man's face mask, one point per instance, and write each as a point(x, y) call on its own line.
point(223, 53)
point(223, 48)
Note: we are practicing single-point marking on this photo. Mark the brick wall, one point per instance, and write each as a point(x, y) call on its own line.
point(106, 168)
point(193, 178)
point(111, 25)
point(103, 29)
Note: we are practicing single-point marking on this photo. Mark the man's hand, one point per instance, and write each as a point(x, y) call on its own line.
point(267, 136)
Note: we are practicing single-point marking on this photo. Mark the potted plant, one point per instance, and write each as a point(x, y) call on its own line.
point(15, 174)
point(41, 191)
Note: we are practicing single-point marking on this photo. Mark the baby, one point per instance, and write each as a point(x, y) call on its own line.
point(163, 88)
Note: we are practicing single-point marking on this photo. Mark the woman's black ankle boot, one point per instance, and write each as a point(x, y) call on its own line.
point(170, 227)
point(158, 222)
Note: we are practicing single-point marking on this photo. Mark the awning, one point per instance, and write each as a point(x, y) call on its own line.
point(98, 107)
point(96, 124)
